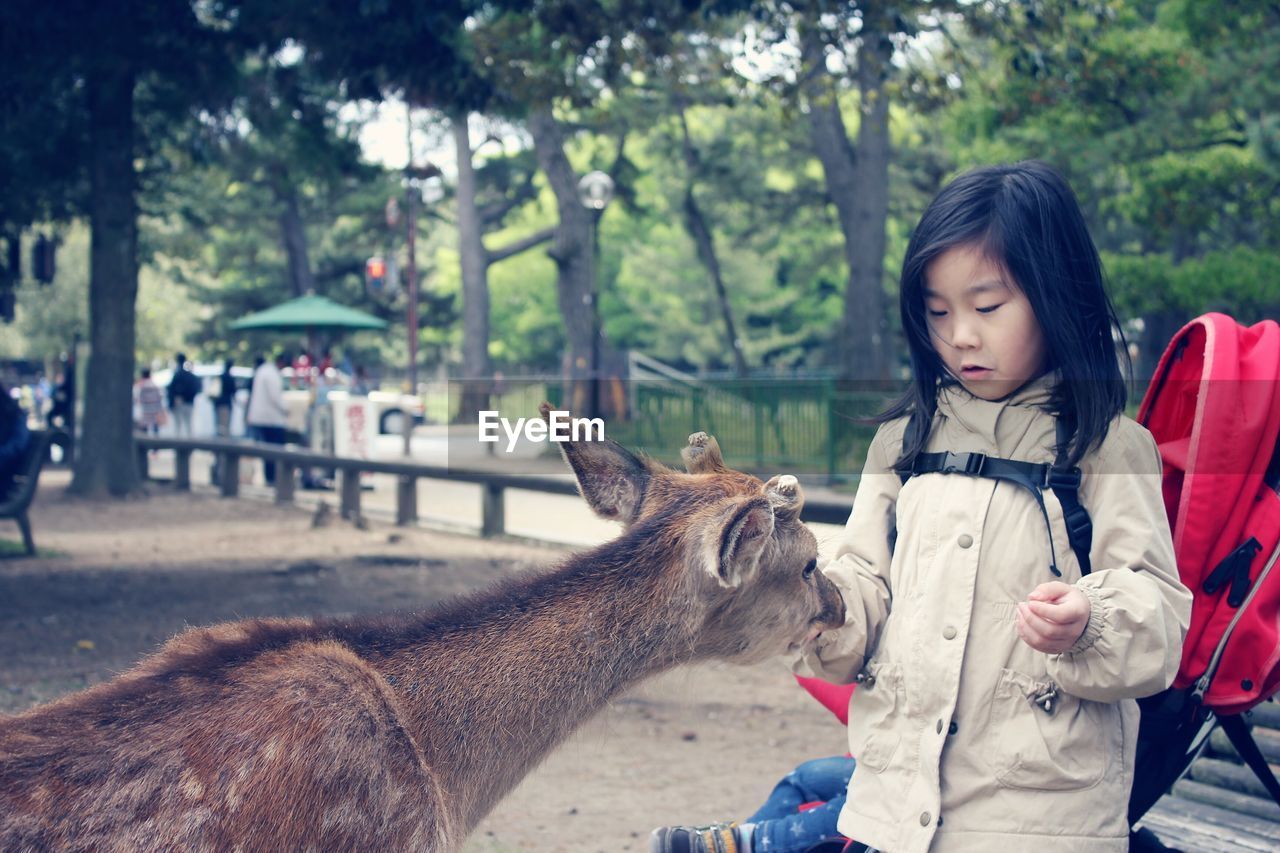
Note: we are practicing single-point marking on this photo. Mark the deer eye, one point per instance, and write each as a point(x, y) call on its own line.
point(810, 569)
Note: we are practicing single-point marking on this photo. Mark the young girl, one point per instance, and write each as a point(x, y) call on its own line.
point(996, 708)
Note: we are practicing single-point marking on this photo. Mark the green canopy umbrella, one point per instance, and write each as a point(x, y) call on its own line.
point(308, 313)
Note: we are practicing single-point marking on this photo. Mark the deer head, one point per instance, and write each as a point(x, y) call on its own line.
point(733, 543)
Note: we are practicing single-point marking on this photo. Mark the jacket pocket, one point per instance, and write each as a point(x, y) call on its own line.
point(1046, 740)
point(874, 731)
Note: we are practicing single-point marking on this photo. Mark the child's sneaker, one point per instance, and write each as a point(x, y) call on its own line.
point(716, 838)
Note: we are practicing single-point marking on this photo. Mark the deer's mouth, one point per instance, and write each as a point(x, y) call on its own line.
point(809, 639)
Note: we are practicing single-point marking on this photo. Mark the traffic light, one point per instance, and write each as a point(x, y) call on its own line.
point(43, 255)
point(375, 275)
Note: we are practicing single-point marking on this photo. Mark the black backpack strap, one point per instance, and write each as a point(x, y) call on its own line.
point(1032, 476)
point(1035, 477)
point(1243, 741)
point(1065, 482)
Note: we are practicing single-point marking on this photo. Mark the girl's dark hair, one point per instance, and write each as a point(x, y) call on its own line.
point(1025, 218)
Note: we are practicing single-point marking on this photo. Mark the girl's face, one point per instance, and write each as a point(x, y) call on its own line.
point(981, 324)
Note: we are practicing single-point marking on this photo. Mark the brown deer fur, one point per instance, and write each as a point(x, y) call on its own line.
point(401, 732)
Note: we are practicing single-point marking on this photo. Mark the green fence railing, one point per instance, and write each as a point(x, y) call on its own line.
point(800, 425)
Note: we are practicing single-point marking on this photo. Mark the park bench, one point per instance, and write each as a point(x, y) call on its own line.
point(15, 506)
point(1220, 805)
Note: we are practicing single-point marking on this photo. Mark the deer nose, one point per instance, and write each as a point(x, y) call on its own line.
point(837, 613)
point(833, 611)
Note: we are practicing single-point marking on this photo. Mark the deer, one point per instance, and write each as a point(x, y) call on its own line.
point(401, 731)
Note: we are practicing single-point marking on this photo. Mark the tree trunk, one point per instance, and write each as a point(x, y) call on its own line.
point(105, 462)
point(571, 250)
point(293, 235)
point(476, 368)
point(1158, 328)
point(704, 240)
point(858, 186)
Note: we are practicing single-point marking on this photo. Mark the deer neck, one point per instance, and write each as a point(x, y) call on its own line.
point(492, 685)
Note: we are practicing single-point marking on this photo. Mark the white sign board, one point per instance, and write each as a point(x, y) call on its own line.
point(354, 427)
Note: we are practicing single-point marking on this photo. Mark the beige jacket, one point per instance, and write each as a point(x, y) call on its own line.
point(969, 739)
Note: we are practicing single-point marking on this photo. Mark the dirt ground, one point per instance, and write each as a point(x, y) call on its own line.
point(114, 580)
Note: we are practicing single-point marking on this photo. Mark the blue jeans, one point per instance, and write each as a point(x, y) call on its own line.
point(779, 828)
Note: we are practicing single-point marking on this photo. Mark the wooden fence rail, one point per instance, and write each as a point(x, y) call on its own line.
point(290, 459)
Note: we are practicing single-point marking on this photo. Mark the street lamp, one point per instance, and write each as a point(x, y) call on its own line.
point(595, 191)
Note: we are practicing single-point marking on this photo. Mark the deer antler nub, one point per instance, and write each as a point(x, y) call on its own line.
point(785, 496)
point(702, 456)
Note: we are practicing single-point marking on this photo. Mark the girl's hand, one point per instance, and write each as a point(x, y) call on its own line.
point(1053, 617)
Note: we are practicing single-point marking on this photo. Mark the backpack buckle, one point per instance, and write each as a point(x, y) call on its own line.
point(1079, 524)
point(963, 463)
point(1063, 478)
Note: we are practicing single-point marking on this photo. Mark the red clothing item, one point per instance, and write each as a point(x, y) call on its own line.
point(833, 697)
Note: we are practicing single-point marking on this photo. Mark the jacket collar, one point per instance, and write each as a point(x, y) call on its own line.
point(979, 416)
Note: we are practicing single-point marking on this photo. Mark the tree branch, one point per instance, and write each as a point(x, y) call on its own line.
point(1235, 141)
point(494, 212)
point(518, 246)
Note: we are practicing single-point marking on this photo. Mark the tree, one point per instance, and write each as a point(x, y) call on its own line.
point(845, 46)
point(118, 77)
point(858, 187)
point(1162, 116)
point(271, 199)
point(290, 143)
point(683, 71)
point(589, 60)
point(474, 220)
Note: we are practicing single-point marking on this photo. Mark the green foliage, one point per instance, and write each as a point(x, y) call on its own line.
point(1161, 112)
point(1158, 113)
point(1241, 281)
point(49, 317)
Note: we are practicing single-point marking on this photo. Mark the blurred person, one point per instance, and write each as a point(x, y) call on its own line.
point(799, 816)
point(59, 414)
point(15, 437)
point(149, 403)
point(360, 383)
point(223, 403)
point(43, 392)
point(267, 410)
point(183, 389)
point(303, 367)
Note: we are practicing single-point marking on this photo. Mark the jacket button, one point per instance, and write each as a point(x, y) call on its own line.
point(953, 728)
point(924, 818)
point(965, 540)
point(949, 633)
point(939, 726)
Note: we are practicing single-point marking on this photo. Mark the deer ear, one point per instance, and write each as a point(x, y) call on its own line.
point(611, 478)
point(734, 548)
